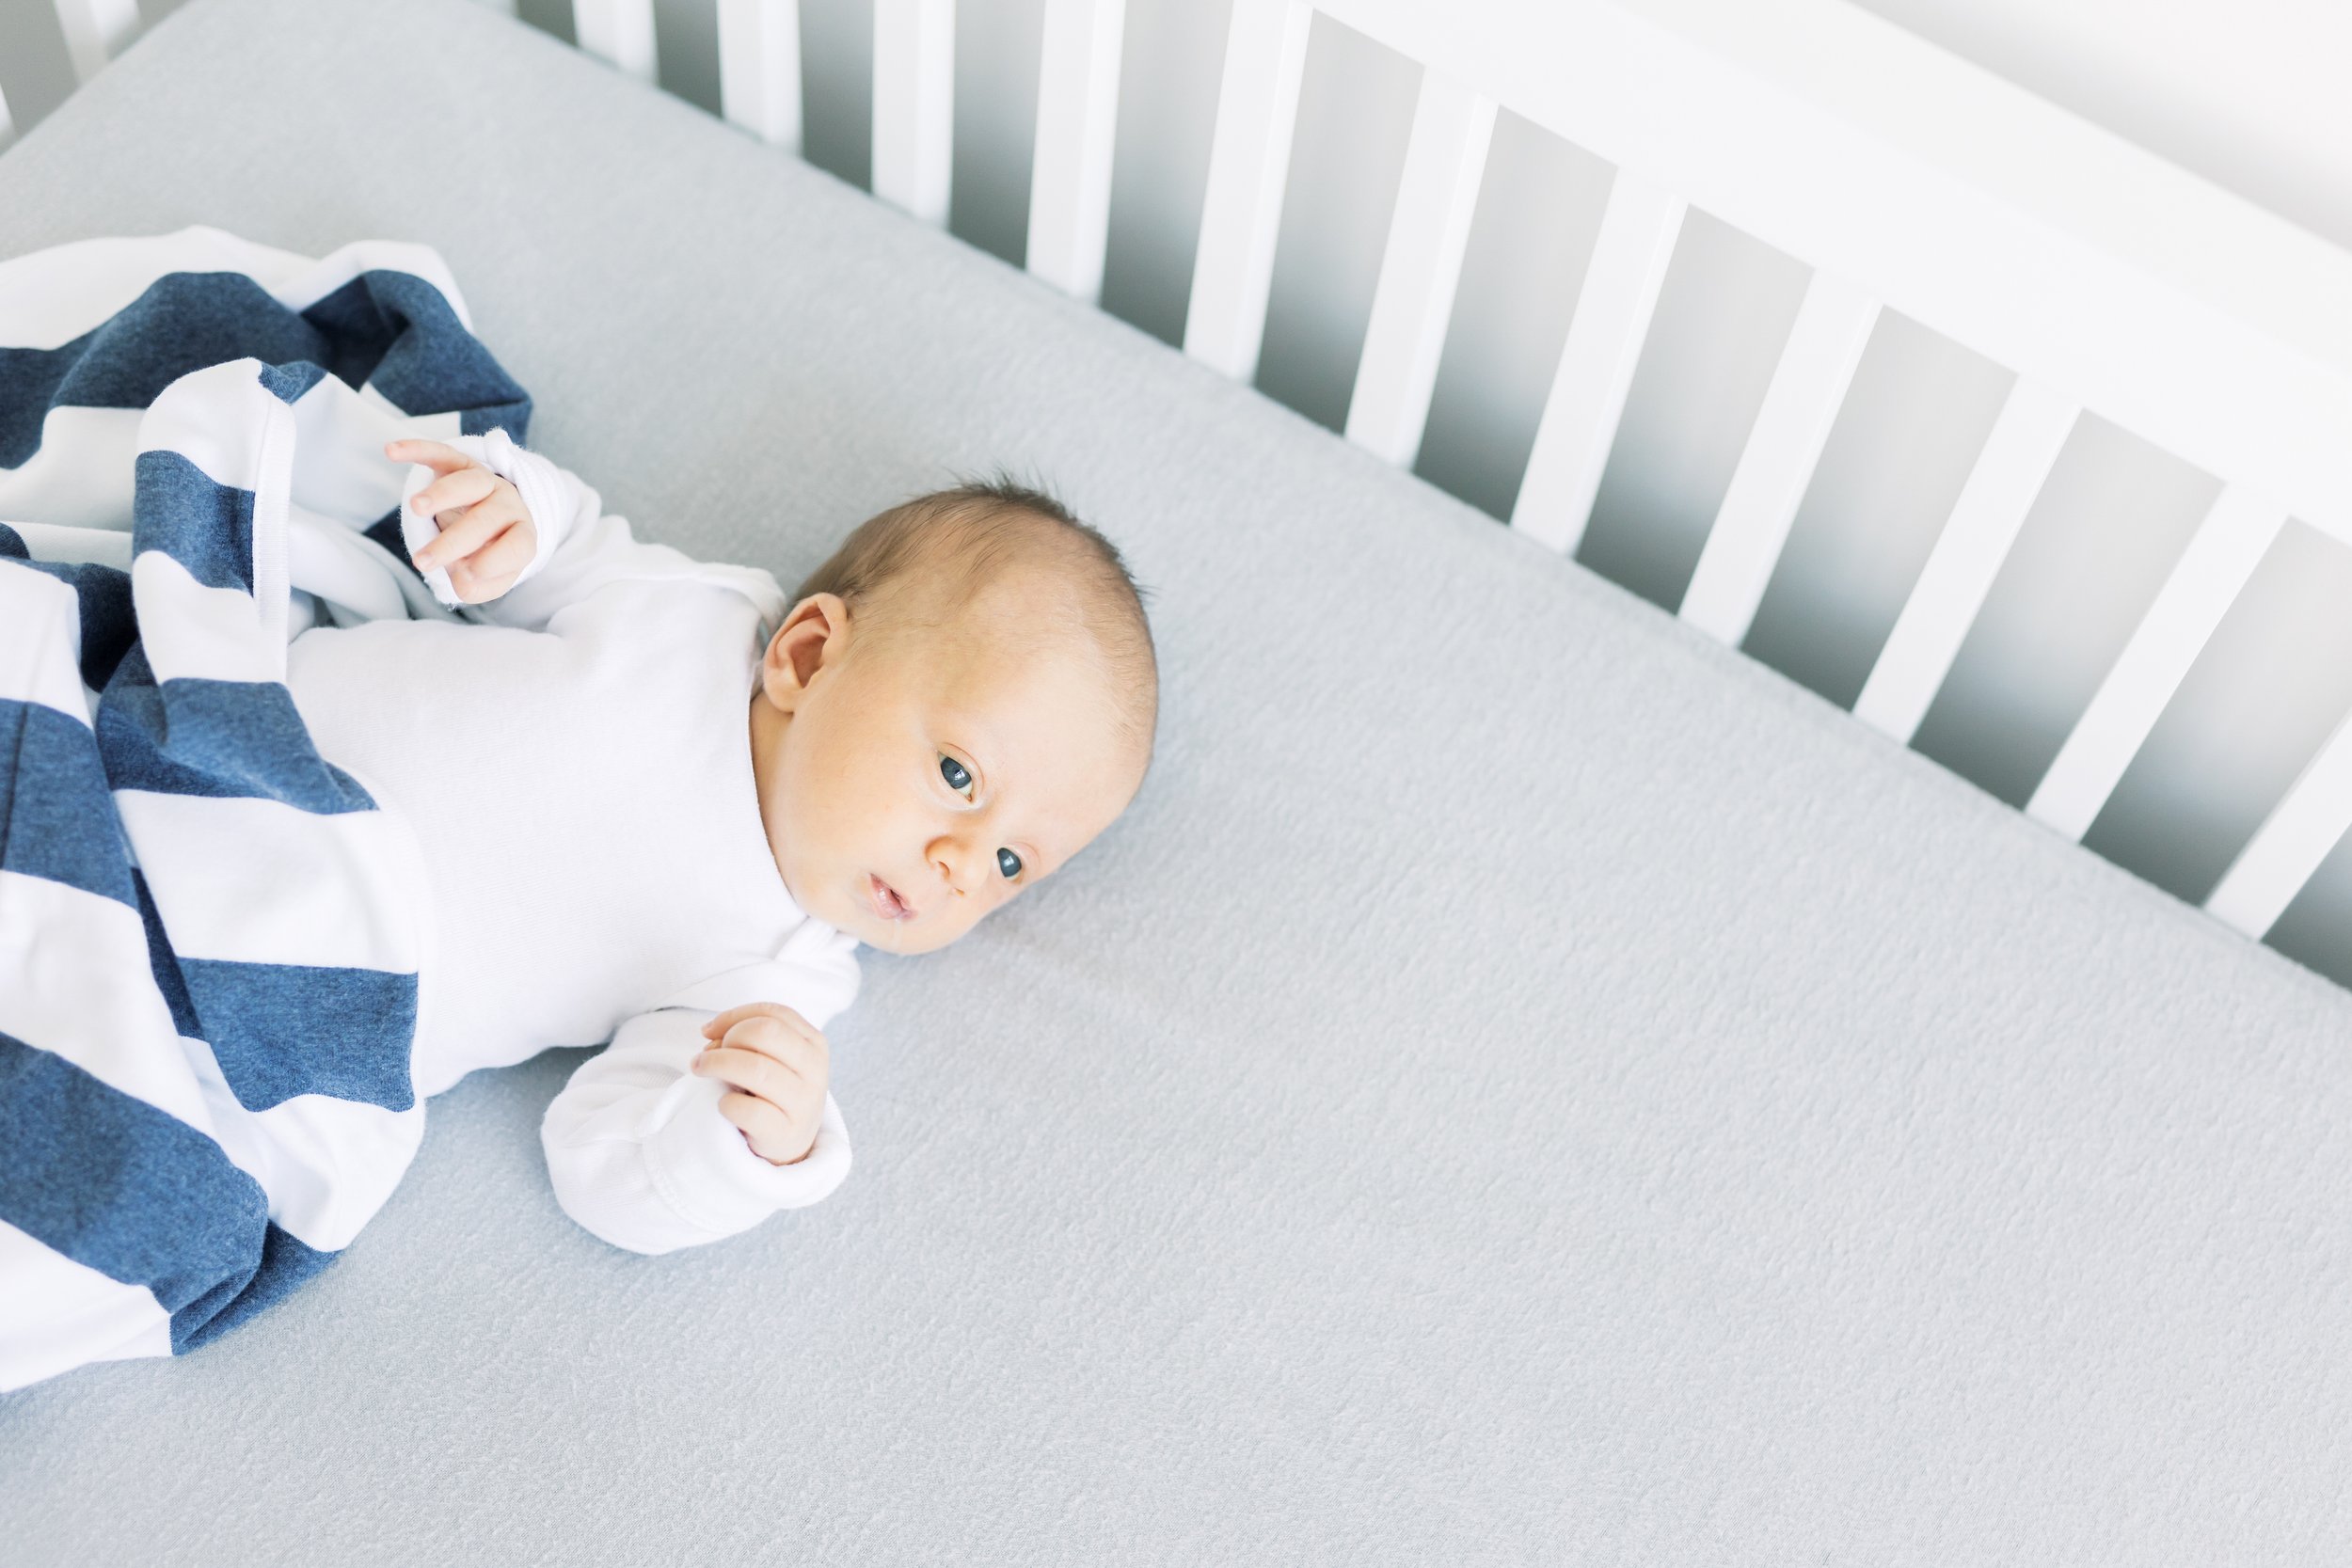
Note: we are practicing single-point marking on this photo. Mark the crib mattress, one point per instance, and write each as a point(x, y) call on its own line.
point(1524, 1084)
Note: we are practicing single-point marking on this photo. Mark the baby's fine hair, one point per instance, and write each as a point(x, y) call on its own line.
point(956, 541)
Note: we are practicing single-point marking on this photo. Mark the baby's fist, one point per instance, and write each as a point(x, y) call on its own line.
point(487, 536)
point(774, 1062)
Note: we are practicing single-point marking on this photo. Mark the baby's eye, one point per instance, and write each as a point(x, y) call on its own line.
point(1009, 862)
point(957, 776)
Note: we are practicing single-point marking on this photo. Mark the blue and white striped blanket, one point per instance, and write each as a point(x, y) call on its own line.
point(209, 935)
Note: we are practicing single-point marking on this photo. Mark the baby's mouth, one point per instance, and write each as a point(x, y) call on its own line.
point(885, 899)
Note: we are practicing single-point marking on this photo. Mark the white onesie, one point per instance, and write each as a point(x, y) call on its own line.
point(578, 774)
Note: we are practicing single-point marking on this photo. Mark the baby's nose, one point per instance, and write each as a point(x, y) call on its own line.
point(958, 862)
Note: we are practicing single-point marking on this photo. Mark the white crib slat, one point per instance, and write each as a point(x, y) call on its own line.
point(1815, 370)
point(1077, 114)
point(1604, 344)
point(1444, 160)
point(2291, 843)
point(915, 104)
point(2222, 556)
point(1257, 109)
point(2017, 457)
point(759, 69)
point(95, 32)
point(619, 32)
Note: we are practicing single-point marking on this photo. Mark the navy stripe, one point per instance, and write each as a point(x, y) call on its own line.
point(122, 1187)
point(282, 1030)
point(109, 625)
point(398, 330)
point(163, 964)
point(392, 326)
point(287, 383)
point(56, 814)
point(183, 322)
point(207, 527)
point(221, 740)
point(286, 1264)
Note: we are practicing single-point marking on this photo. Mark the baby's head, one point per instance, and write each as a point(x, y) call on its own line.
point(959, 701)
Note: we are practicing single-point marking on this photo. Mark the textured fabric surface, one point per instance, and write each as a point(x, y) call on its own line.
point(1522, 1085)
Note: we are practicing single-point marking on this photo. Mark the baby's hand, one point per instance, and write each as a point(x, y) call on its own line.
point(487, 536)
point(775, 1059)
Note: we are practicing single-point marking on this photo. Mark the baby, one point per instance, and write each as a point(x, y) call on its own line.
point(655, 804)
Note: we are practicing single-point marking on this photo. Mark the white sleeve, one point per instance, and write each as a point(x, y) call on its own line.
point(580, 550)
point(641, 1157)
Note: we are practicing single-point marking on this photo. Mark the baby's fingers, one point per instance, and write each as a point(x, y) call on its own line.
point(776, 1011)
point(475, 528)
point(775, 1135)
point(754, 1071)
point(452, 491)
point(493, 568)
point(441, 459)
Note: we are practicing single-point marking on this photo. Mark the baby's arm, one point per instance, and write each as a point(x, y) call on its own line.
point(652, 1147)
point(510, 533)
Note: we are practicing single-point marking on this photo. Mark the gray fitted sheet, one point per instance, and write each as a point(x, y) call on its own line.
point(1523, 1084)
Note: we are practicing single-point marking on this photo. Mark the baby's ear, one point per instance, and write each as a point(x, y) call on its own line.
point(814, 635)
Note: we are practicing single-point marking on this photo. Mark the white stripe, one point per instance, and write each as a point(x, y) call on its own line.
point(340, 470)
point(50, 297)
point(326, 1165)
point(195, 632)
point(77, 984)
point(421, 427)
point(101, 546)
point(82, 472)
point(255, 881)
point(330, 1164)
point(57, 1314)
point(38, 622)
point(214, 417)
point(326, 558)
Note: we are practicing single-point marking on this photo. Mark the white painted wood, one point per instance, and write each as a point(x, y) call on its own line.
point(1257, 109)
point(1077, 114)
point(8, 126)
point(2291, 843)
point(1444, 160)
point(2026, 438)
point(2206, 327)
point(915, 104)
point(619, 32)
point(1833, 326)
point(759, 69)
point(1613, 315)
point(2220, 557)
point(96, 31)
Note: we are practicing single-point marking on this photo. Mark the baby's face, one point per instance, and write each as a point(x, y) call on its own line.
point(911, 785)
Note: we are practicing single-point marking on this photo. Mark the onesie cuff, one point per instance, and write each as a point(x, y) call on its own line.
point(708, 1175)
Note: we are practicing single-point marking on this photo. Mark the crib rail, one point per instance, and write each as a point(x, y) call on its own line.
point(2107, 281)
